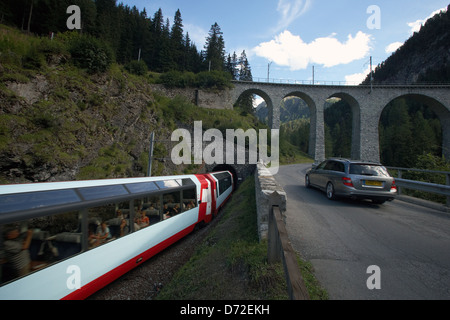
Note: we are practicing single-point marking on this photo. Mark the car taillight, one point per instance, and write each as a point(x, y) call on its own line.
point(347, 182)
point(393, 186)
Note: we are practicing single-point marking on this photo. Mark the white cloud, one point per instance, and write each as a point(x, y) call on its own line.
point(291, 51)
point(290, 10)
point(357, 78)
point(393, 47)
point(416, 25)
point(196, 34)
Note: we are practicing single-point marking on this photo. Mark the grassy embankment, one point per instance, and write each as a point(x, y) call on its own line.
point(232, 264)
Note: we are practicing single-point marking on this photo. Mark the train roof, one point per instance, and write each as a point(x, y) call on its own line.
point(52, 196)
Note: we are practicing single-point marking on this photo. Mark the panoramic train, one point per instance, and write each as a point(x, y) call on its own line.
point(67, 240)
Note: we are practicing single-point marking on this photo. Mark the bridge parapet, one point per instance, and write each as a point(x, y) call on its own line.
point(268, 193)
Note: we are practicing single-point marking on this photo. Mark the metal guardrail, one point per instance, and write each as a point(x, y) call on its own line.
point(343, 83)
point(423, 186)
point(279, 248)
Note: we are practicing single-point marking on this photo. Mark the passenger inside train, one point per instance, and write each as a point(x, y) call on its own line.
point(46, 240)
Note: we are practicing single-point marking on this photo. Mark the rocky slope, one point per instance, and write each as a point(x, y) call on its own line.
point(63, 124)
point(424, 57)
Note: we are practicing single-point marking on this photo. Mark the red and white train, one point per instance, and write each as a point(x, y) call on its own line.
point(66, 240)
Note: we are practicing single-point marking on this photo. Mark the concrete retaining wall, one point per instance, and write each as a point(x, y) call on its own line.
point(268, 193)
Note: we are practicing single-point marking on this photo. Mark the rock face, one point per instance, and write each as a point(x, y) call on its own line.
point(63, 125)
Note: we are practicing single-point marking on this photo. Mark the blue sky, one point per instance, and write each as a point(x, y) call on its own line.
point(336, 37)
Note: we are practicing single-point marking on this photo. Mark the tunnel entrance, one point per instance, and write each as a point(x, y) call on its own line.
point(226, 167)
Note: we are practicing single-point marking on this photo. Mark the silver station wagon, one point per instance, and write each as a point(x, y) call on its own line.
point(352, 179)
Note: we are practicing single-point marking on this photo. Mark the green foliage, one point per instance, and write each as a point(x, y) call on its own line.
point(338, 125)
point(296, 132)
point(214, 79)
point(203, 80)
point(51, 48)
point(428, 161)
point(178, 79)
point(408, 129)
point(91, 54)
point(137, 67)
point(112, 161)
point(33, 59)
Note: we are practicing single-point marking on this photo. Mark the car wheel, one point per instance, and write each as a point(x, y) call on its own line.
point(378, 201)
point(307, 182)
point(330, 191)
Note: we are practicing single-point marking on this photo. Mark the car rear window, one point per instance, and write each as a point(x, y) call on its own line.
point(368, 170)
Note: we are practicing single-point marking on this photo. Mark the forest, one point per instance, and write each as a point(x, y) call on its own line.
point(126, 35)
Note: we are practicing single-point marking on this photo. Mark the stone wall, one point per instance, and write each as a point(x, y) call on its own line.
point(268, 193)
point(209, 99)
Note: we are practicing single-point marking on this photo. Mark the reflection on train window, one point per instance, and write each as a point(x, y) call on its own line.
point(107, 223)
point(93, 193)
point(185, 182)
point(34, 244)
point(26, 201)
point(189, 199)
point(147, 212)
point(167, 184)
point(142, 187)
point(171, 204)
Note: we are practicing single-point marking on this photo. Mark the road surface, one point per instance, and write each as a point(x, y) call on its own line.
point(409, 244)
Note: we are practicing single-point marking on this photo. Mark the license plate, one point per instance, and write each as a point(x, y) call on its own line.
point(372, 183)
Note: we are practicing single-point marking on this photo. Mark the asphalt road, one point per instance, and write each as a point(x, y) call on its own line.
point(410, 244)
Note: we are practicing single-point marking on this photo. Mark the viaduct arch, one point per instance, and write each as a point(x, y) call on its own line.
point(367, 104)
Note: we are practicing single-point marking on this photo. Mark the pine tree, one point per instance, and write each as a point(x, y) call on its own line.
point(156, 30)
point(177, 42)
point(215, 48)
point(398, 136)
point(166, 61)
point(245, 72)
point(232, 66)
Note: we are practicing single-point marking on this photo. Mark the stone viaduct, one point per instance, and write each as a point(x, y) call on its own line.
point(367, 104)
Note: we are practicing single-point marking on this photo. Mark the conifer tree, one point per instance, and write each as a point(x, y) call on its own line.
point(245, 72)
point(215, 49)
point(177, 42)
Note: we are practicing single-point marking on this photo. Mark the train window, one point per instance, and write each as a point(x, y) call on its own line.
point(34, 244)
point(107, 223)
point(171, 204)
point(189, 199)
point(148, 211)
point(142, 187)
point(167, 184)
point(224, 181)
point(93, 193)
point(24, 201)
